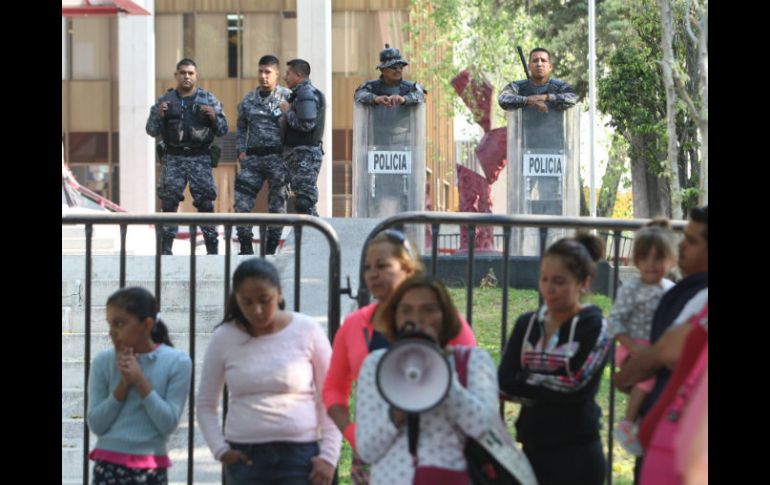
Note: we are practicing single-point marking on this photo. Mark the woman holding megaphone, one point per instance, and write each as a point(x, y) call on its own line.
point(389, 261)
point(419, 374)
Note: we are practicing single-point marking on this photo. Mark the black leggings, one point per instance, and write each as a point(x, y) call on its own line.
point(581, 464)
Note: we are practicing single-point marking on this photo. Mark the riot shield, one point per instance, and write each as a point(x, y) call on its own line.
point(544, 159)
point(389, 161)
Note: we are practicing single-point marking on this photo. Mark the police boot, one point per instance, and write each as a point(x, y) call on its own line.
point(271, 245)
point(246, 246)
point(212, 246)
point(167, 242)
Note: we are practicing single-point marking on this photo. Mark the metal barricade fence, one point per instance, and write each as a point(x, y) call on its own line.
point(123, 220)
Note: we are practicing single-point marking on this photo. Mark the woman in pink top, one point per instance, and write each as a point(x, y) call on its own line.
point(274, 363)
point(389, 261)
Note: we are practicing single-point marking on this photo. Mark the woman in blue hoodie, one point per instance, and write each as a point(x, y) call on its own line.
point(553, 364)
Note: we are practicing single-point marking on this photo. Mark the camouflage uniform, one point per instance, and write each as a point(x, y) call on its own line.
point(186, 129)
point(259, 136)
point(412, 92)
point(302, 144)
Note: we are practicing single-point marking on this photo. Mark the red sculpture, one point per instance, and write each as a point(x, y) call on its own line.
point(474, 189)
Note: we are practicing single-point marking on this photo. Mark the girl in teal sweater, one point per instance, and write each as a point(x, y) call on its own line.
point(136, 393)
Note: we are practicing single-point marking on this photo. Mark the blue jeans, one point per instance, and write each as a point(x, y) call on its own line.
point(283, 463)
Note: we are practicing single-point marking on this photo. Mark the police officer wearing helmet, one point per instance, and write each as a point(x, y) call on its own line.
point(305, 115)
point(188, 118)
point(390, 89)
point(259, 152)
point(391, 105)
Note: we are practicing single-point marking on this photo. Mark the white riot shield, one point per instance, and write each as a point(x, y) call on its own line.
point(389, 161)
point(544, 159)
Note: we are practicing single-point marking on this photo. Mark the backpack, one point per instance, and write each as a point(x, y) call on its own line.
point(492, 458)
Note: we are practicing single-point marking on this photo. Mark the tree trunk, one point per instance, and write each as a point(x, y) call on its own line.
point(650, 192)
point(667, 37)
point(703, 122)
point(611, 180)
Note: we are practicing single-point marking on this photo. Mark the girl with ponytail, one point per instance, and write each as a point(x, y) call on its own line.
point(137, 392)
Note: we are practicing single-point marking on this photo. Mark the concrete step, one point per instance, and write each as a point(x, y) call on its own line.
point(175, 294)
point(176, 319)
point(72, 376)
point(78, 243)
point(73, 345)
point(315, 267)
point(140, 267)
point(72, 402)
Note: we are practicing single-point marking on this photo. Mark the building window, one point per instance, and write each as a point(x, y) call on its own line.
point(95, 177)
point(211, 45)
point(90, 45)
point(169, 44)
point(447, 194)
point(234, 29)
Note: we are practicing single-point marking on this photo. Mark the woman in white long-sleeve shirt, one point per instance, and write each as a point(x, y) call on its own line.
point(381, 433)
point(274, 363)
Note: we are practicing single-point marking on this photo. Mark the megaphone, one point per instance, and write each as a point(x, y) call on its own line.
point(413, 375)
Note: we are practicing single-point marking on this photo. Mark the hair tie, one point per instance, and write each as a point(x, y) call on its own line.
point(157, 317)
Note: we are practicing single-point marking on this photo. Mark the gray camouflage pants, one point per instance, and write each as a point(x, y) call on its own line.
point(248, 182)
point(304, 163)
point(176, 171)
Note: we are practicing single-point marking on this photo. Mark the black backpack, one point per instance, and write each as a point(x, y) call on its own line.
point(506, 464)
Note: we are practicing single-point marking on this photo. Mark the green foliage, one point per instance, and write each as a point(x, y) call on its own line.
point(616, 165)
point(482, 35)
point(633, 95)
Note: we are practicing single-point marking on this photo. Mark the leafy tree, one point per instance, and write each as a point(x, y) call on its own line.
point(483, 35)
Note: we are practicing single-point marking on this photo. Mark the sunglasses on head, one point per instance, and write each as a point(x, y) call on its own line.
point(399, 238)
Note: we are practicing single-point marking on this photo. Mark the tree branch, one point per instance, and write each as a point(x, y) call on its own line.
point(682, 92)
point(687, 22)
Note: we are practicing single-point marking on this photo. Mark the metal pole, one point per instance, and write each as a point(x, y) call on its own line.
point(592, 101)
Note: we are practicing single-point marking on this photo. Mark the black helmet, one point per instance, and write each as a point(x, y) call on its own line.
point(390, 56)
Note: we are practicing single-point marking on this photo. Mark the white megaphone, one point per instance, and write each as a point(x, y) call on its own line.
point(413, 375)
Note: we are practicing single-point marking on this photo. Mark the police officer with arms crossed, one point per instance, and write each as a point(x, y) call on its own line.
point(259, 152)
point(391, 120)
point(305, 114)
point(539, 91)
point(188, 118)
point(390, 89)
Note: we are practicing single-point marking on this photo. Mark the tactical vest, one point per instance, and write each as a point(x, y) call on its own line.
point(294, 137)
point(184, 124)
point(379, 88)
point(391, 126)
point(526, 88)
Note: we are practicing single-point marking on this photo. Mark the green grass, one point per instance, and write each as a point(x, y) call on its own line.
point(487, 314)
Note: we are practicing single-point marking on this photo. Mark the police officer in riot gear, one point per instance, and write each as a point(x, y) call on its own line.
point(305, 116)
point(259, 152)
point(540, 94)
point(390, 91)
point(188, 118)
point(390, 121)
